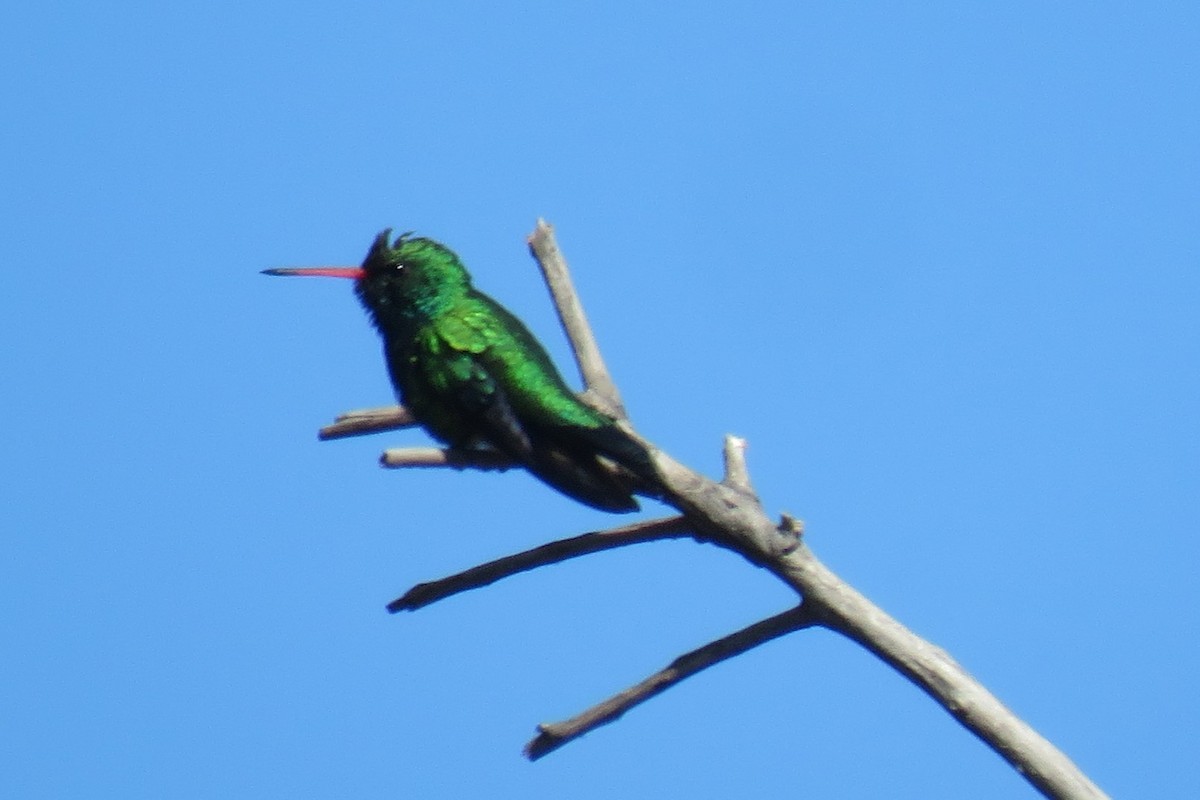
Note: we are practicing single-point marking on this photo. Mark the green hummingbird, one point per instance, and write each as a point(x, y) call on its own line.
point(474, 376)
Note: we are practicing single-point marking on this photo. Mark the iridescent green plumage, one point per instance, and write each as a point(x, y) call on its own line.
point(473, 375)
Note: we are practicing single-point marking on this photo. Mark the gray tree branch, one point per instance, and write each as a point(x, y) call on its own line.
point(424, 594)
point(406, 457)
point(600, 390)
point(728, 513)
point(839, 607)
point(553, 735)
point(367, 420)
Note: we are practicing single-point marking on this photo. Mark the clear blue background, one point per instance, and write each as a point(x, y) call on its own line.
point(938, 263)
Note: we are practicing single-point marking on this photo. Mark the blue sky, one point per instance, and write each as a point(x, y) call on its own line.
point(938, 263)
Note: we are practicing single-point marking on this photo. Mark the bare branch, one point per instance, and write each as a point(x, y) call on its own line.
point(551, 736)
point(729, 514)
point(597, 382)
point(790, 526)
point(368, 420)
point(937, 674)
point(424, 594)
point(747, 530)
point(737, 476)
point(404, 457)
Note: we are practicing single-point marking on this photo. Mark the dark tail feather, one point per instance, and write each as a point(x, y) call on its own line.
point(628, 453)
point(583, 478)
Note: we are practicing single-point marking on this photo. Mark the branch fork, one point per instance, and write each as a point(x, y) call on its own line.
point(729, 514)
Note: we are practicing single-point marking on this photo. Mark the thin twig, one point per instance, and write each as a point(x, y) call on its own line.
point(368, 420)
point(424, 594)
point(737, 476)
point(596, 379)
point(790, 526)
point(553, 735)
point(404, 457)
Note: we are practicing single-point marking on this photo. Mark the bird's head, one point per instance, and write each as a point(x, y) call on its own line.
point(400, 279)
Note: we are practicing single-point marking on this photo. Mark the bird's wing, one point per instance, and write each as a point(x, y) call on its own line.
point(567, 422)
point(456, 373)
point(462, 345)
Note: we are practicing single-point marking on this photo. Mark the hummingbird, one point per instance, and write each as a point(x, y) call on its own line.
point(474, 376)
